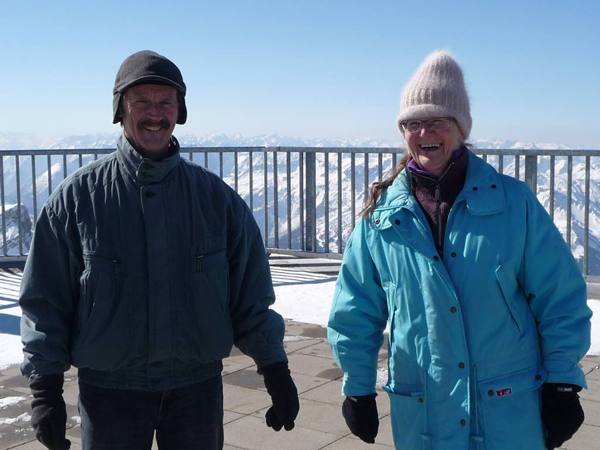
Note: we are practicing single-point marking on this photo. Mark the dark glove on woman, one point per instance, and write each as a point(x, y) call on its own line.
point(360, 413)
point(48, 411)
point(284, 396)
point(562, 414)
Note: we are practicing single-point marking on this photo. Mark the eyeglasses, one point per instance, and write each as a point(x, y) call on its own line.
point(437, 124)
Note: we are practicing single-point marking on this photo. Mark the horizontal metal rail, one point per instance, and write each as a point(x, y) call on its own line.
point(306, 199)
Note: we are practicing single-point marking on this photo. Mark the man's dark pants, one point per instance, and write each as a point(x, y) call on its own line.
point(187, 418)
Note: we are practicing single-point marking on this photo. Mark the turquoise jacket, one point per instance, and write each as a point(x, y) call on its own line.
point(143, 274)
point(472, 335)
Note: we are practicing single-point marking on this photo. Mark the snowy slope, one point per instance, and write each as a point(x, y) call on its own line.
point(340, 214)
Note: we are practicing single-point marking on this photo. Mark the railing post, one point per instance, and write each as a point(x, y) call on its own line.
point(531, 172)
point(311, 203)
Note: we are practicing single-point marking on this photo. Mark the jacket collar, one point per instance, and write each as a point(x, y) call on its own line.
point(449, 183)
point(144, 170)
point(482, 192)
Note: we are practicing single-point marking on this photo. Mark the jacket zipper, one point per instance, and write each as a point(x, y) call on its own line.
point(438, 215)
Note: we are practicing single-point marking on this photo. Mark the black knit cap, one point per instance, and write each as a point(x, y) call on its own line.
point(148, 67)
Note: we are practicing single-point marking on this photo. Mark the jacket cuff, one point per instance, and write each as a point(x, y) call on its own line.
point(357, 385)
point(564, 372)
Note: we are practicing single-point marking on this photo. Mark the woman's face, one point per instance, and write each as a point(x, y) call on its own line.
point(432, 141)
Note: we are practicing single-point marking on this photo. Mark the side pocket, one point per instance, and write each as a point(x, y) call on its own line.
point(205, 330)
point(511, 294)
point(408, 416)
point(103, 320)
point(510, 410)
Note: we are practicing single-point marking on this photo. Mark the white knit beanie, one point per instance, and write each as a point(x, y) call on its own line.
point(437, 89)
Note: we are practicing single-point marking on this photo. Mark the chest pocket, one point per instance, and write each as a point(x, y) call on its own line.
point(210, 277)
point(513, 297)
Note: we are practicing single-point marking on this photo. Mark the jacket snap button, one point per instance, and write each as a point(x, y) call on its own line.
point(490, 392)
point(420, 399)
point(475, 188)
point(453, 254)
point(461, 365)
point(463, 422)
point(377, 221)
point(453, 309)
point(397, 221)
point(493, 186)
point(538, 377)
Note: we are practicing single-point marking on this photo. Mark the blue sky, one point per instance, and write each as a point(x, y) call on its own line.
point(312, 69)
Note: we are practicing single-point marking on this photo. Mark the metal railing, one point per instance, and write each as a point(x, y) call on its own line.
point(307, 198)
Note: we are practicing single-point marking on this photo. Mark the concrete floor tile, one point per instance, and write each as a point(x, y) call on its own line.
point(252, 433)
point(74, 434)
point(15, 383)
point(320, 348)
point(331, 392)
point(71, 393)
point(314, 366)
point(319, 416)
point(315, 331)
point(246, 378)
point(593, 390)
point(241, 360)
point(18, 432)
point(586, 438)
point(9, 372)
point(385, 436)
point(293, 344)
point(35, 445)
point(592, 412)
point(589, 363)
point(594, 374)
point(230, 416)
point(383, 403)
point(243, 400)
point(294, 328)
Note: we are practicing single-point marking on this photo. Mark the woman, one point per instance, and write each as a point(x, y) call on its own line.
point(485, 304)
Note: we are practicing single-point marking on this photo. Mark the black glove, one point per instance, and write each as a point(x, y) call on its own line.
point(284, 395)
point(48, 411)
point(360, 413)
point(562, 414)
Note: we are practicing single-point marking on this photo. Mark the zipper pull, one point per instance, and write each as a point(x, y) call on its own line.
point(115, 265)
point(199, 261)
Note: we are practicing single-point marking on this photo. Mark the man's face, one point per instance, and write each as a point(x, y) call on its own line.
point(149, 117)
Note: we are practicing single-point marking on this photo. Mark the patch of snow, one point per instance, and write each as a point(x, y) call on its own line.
point(25, 417)
point(9, 401)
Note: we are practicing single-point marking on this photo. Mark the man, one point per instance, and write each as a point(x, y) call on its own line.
point(143, 272)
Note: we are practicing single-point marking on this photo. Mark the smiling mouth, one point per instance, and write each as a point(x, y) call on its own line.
point(155, 126)
point(429, 146)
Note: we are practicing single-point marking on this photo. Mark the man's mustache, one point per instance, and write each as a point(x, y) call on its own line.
point(163, 123)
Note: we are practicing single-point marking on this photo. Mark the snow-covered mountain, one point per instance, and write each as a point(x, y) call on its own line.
point(17, 222)
point(340, 215)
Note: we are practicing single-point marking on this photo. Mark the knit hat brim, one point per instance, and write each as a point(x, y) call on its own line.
point(429, 111)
